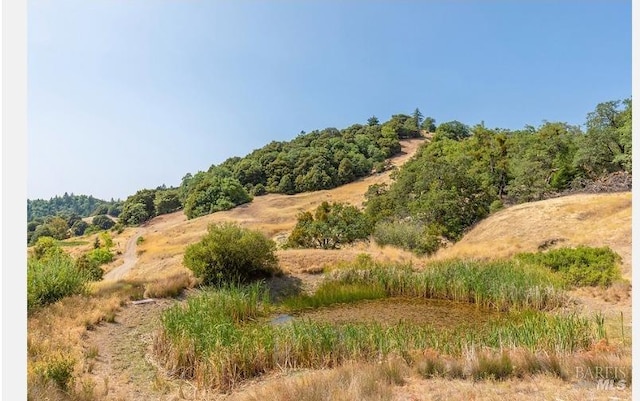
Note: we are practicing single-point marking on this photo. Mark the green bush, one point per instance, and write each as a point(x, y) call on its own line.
point(582, 266)
point(415, 237)
point(90, 267)
point(100, 256)
point(50, 279)
point(229, 253)
point(58, 369)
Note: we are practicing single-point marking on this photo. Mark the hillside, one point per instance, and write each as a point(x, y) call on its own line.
point(583, 219)
point(166, 236)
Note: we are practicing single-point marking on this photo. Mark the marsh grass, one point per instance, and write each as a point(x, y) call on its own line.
point(222, 338)
point(501, 285)
point(329, 293)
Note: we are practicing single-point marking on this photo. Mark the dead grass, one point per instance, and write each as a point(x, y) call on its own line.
point(55, 340)
point(516, 375)
point(170, 286)
point(349, 382)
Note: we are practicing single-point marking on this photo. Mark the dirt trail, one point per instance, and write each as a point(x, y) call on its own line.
point(129, 257)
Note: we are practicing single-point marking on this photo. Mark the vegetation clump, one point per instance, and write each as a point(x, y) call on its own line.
point(52, 277)
point(331, 226)
point(229, 253)
point(499, 285)
point(464, 173)
point(581, 266)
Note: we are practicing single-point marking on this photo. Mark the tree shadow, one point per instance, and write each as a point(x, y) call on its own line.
point(283, 286)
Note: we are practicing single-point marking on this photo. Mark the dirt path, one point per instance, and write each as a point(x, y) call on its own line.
point(123, 369)
point(129, 257)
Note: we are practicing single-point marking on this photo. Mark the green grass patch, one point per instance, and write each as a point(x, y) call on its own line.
point(581, 266)
point(331, 292)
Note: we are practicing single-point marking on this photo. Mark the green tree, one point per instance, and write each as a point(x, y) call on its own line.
point(131, 213)
point(429, 124)
point(229, 253)
point(59, 228)
point(212, 193)
point(331, 226)
point(606, 147)
point(79, 227)
point(373, 120)
point(454, 130)
point(103, 222)
point(541, 162)
point(167, 201)
point(417, 118)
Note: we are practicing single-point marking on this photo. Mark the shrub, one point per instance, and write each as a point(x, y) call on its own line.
point(415, 237)
point(45, 247)
point(100, 256)
point(78, 228)
point(58, 369)
point(581, 266)
point(90, 267)
point(50, 279)
point(495, 206)
point(231, 253)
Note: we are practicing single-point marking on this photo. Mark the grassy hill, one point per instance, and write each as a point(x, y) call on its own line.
point(583, 219)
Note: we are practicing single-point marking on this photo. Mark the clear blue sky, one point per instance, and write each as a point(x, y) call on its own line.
point(125, 95)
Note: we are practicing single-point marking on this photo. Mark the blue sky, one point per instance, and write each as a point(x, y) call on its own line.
point(125, 95)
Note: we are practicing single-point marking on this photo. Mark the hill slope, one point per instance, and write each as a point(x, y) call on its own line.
point(583, 219)
point(166, 236)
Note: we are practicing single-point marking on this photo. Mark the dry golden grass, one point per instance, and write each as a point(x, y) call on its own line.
point(349, 382)
point(567, 378)
point(56, 334)
point(170, 286)
point(585, 219)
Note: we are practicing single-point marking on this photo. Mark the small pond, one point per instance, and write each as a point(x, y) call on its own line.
point(442, 314)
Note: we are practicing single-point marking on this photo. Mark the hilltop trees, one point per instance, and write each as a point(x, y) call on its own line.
point(606, 147)
point(454, 130)
point(211, 193)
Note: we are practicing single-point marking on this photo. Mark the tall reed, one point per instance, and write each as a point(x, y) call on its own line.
point(501, 285)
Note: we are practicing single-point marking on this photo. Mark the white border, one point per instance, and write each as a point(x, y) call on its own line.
point(13, 300)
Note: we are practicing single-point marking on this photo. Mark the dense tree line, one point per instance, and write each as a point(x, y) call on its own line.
point(81, 205)
point(320, 159)
point(465, 173)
